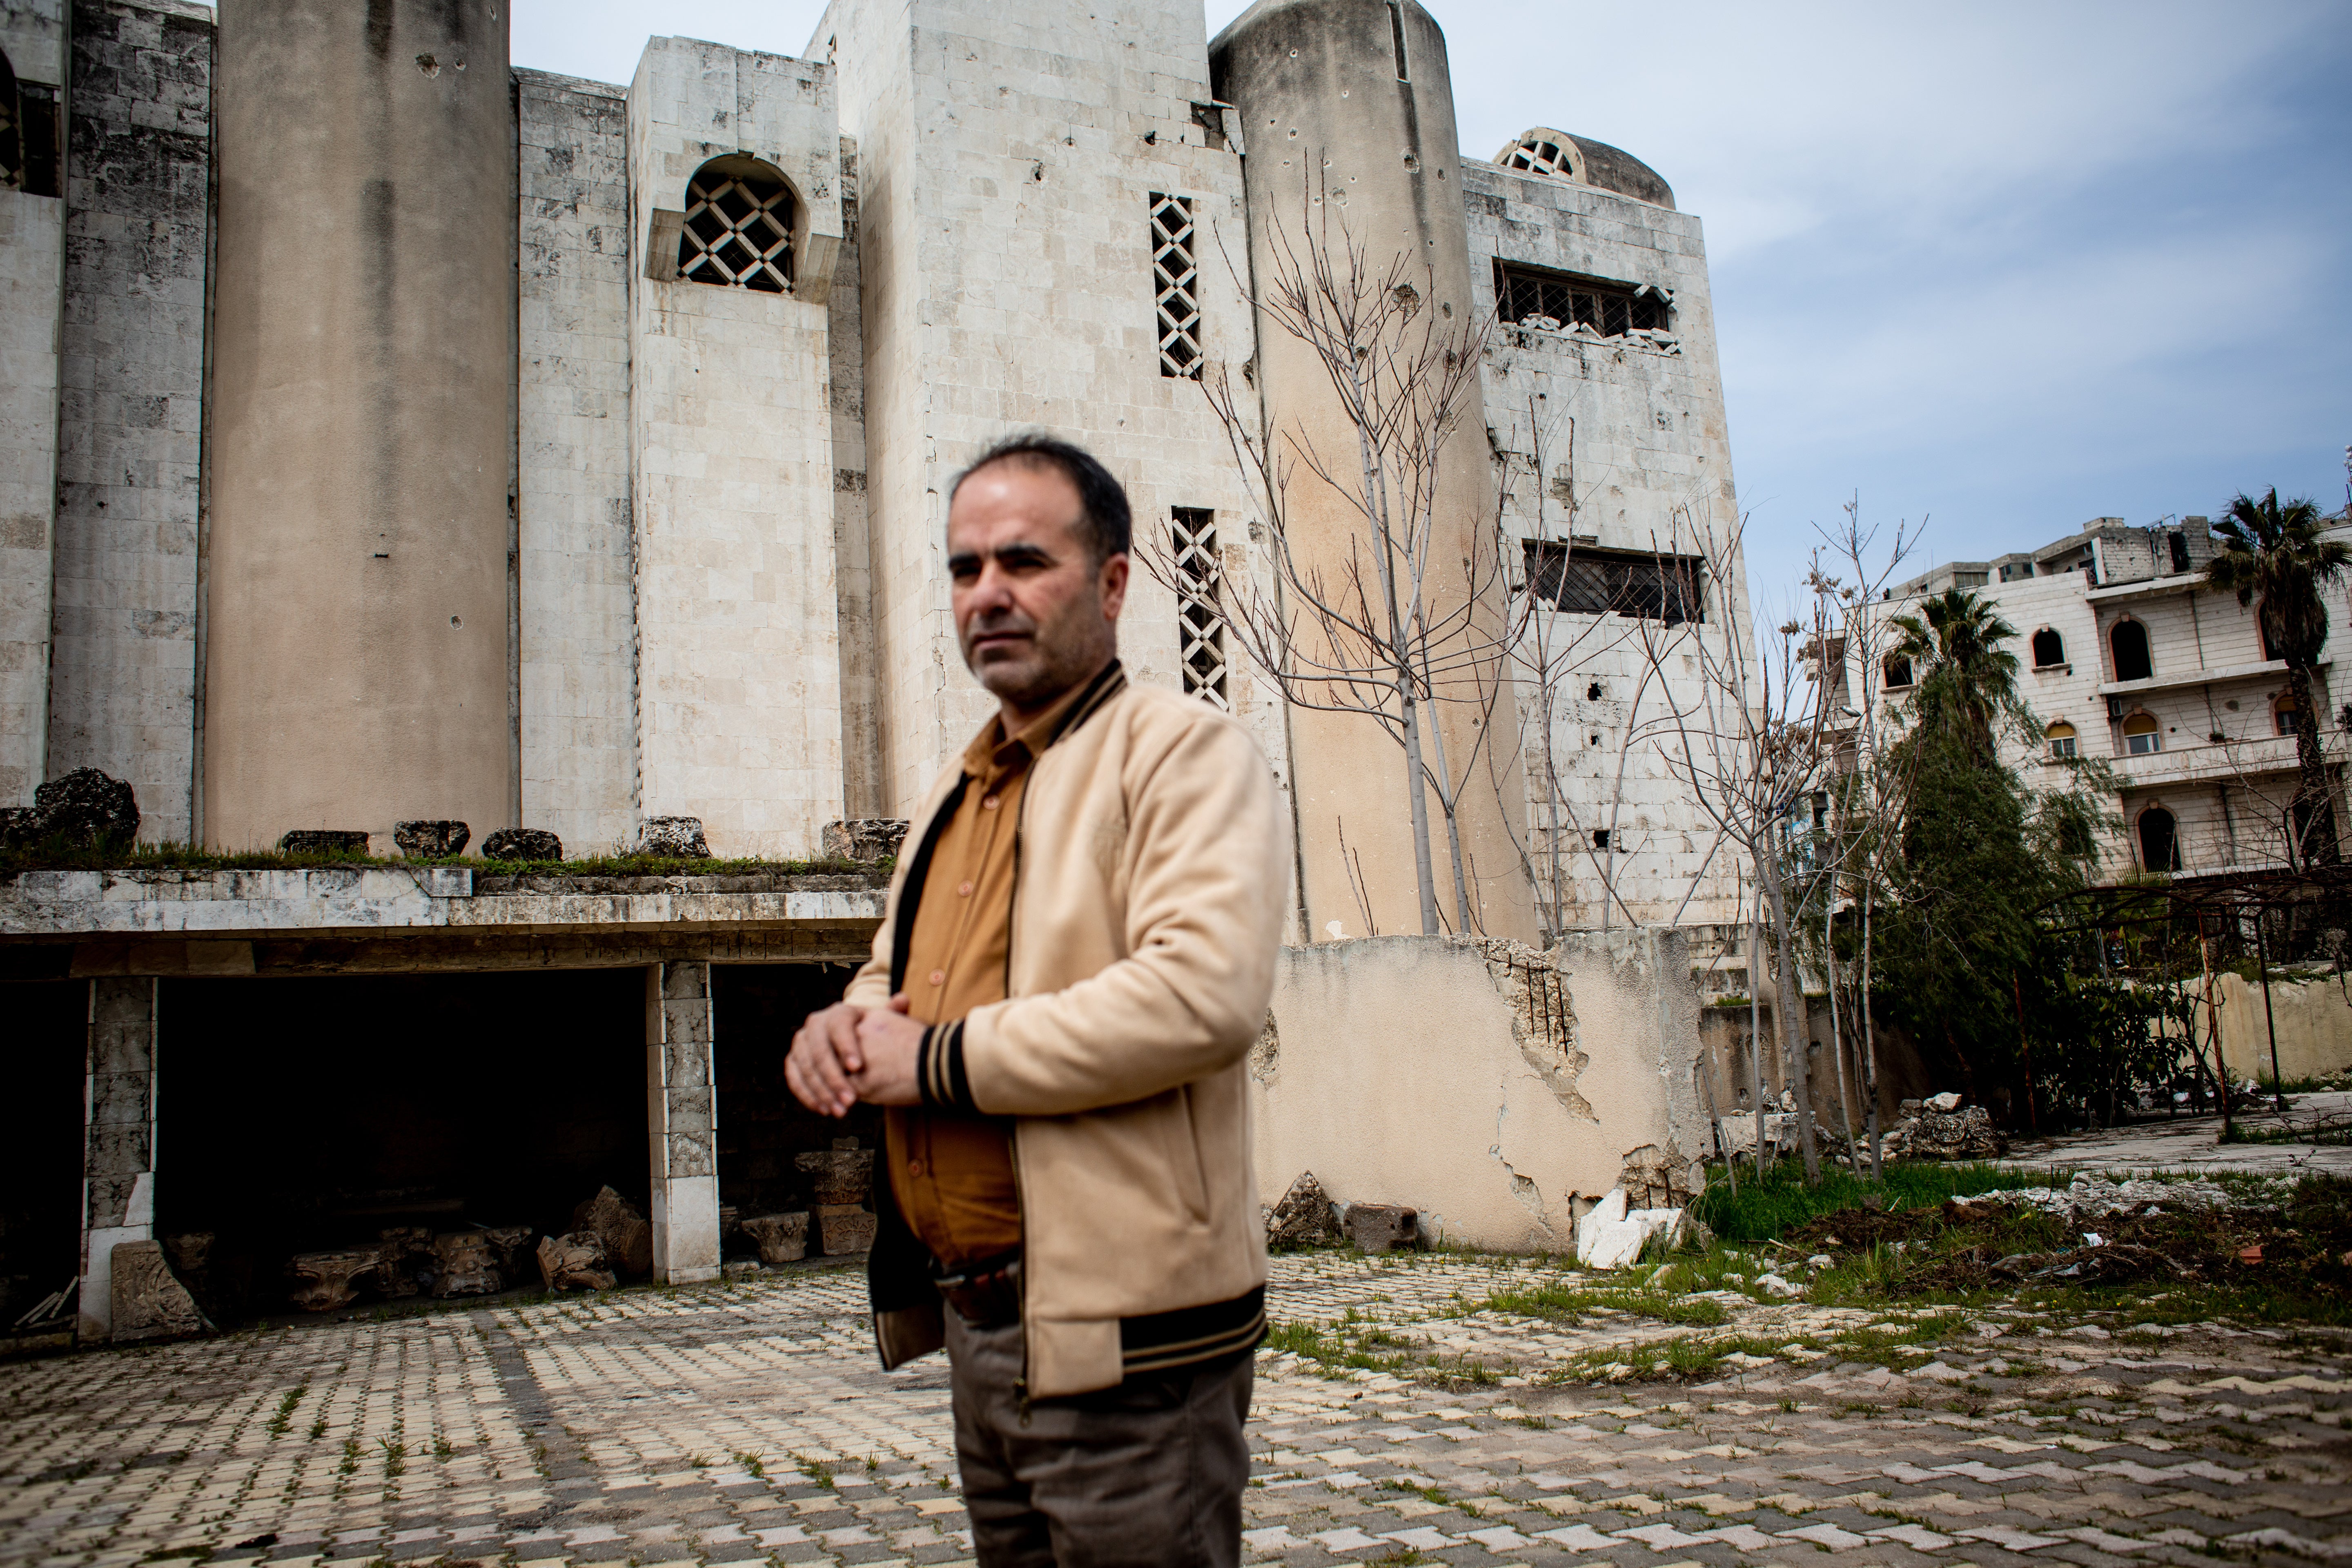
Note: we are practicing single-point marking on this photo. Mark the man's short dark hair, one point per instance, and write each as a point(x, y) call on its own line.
point(1103, 514)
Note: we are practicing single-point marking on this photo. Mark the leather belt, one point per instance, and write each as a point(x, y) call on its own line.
point(986, 1297)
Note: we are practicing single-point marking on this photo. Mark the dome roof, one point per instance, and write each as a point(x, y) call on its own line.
point(1580, 161)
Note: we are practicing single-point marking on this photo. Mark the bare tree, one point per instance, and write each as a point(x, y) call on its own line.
point(1397, 625)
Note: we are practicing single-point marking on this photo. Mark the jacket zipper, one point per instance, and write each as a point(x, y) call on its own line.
point(1020, 1193)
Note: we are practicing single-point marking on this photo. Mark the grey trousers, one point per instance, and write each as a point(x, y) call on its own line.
point(1147, 1474)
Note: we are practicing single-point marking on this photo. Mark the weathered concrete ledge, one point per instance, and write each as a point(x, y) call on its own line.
point(379, 919)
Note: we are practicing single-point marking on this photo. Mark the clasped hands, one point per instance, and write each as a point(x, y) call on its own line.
point(848, 1053)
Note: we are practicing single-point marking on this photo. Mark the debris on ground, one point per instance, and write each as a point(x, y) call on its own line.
point(1303, 1217)
point(1610, 1236)
point(1940, 1128)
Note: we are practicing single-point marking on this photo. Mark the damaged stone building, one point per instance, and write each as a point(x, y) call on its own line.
point(393, 435)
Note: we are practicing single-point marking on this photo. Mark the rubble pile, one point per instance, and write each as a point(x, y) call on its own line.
point(85, 809)
point(1941, 1128)
point(1309, 1217)
point(2095, 1197)
point(844, 1177)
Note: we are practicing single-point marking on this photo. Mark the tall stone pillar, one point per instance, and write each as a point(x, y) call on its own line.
point(358, 663)
point(682, 1122)
point(119, 1147)
point(1348, 111)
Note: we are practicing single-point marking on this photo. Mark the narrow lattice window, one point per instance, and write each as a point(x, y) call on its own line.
point(739, 229)
point(1175, 285)
point(1200, 624)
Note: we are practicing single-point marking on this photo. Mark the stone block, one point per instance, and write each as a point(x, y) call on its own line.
point(576, 1261)
point(322, 1281)
point(1303, 1217)
point(468, 1263)
point(522, 844)
point(781, 1238)
point(840, 1175)
point(627, 1236)
point(675, 838)
point(148, 1301)
point(422, 839)
point(843, 1228)
point(85, 808)
point(864, 838)
point(1382, 1227)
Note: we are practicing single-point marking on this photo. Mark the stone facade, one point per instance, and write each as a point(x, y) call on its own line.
point(2197, 736)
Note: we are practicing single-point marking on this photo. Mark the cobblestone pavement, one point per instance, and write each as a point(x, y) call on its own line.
point(748, 1420)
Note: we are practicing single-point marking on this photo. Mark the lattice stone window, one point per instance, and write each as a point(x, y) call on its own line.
point(1542, 151)
point(1200, 625)
point(1560, 300)
point(738, 229)
point(1175, 285)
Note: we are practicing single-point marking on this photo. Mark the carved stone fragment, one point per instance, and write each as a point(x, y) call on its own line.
point(522, 844)
point(469, 1264)
point(843, 1228)
point(863, 838)
point(510, 1242)
point(149, 1302)
point(675, 838)
point(1382, 1227)
point(781, 1238)
point(425, 837)
point(322, 1281)
point(1303, 1217)
point(841, 1176)
point(575, 1262)
point(409, 1261)
point(627, 1236)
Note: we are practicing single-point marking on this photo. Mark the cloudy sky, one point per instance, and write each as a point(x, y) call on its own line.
point(2007, 266)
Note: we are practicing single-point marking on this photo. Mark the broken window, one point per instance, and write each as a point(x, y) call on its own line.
point(1896, 671)
point(2128, 642)
point(2283, 717)
point(1600, 582)
point(738, 227)
point(1533, 297)
point(1200, 624)
point(1175, 286)
point(2159, 840)
point(2049, 648)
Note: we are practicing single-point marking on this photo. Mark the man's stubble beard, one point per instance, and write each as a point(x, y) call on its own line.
point(1061, 654)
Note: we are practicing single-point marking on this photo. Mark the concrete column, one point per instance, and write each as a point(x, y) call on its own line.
point(118, 1151)
point(357, 656)
point(682, 1122)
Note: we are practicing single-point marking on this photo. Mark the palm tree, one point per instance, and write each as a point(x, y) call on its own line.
point(1965, 679)
point(2274, 551)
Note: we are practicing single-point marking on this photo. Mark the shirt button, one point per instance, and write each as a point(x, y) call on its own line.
point(964, 891)
point(988, 803)
point(939, 976)
point(914, 1167)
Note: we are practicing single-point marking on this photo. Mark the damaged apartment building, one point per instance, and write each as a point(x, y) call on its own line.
point(394, 435)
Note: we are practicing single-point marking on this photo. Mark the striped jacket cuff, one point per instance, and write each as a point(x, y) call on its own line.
point(939, 1068)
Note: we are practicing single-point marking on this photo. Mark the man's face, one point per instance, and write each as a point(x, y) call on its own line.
point(1035, 613)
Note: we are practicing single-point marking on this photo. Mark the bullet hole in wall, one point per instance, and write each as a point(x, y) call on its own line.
point(1593, 692)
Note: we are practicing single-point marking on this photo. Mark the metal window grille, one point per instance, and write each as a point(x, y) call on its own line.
point(1175, 285)
point(1525, 294)
point(738, 233)
point(1200, 625)
point(1599, 582)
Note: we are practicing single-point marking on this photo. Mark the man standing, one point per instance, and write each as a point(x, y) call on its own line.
point(1078, 956)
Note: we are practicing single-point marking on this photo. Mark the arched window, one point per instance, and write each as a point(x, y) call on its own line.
point(738, 227)
point(1543, 151)
point(2159, 840)
point(1896, 670)
point(2049, 648)
point(2130, 642)
point(2285, 717)
point(2062, 739)
point(2141, 735)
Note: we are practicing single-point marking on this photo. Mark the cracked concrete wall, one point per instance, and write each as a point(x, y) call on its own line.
point(1497, 1089)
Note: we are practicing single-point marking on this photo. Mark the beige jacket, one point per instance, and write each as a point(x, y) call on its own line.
point(1149, 891)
